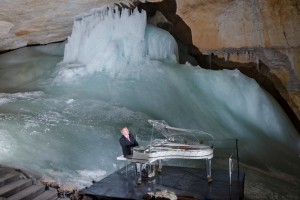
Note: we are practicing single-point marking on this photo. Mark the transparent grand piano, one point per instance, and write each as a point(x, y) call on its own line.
point(177, 144)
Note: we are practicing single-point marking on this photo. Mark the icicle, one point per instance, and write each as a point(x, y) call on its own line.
point(257, 63)
point(247, 55)
point(106, 38)
point(209, 59)
point(226, 56)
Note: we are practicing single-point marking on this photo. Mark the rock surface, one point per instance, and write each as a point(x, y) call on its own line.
point(28, 22)
point(261, 38)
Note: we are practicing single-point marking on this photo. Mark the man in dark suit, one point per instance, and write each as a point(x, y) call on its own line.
point(127, 142)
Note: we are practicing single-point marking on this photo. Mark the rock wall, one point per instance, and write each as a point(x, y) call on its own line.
point(29, 22)
point(259, 37)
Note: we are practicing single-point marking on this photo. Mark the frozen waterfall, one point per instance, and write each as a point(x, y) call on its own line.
point(130, 40)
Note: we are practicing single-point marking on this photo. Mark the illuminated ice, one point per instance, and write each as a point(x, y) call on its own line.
point(106, 37)
point(64, 120)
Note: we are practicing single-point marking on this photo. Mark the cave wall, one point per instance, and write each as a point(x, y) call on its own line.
point(259, 37)
point(30, 22)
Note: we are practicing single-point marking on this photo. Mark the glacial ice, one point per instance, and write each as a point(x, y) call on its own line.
point(130, 40)
point(63, 120)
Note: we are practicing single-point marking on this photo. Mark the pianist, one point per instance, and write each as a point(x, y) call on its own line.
point(127, 142)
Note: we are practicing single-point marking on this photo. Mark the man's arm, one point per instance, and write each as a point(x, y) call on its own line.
point(135, 143)
point(123, 145)
point(122, 142)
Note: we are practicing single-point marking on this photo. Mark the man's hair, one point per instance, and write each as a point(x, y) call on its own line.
point(123, 128)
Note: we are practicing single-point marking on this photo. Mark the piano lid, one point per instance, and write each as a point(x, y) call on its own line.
point(175, 134)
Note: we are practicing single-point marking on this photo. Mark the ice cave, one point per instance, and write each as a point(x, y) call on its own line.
point(62, 104)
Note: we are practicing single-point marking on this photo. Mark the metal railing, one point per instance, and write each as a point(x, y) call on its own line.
point(228, 151)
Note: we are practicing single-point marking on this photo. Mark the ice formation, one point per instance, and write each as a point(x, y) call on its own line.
point(119, 71)
point(130, 40)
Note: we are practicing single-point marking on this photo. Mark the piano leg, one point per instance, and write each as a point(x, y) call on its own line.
point(138, 173)
point(151, 171)
point(208, 170)
point(159, 170)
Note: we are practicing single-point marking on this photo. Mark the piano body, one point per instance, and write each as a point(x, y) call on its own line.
point(163, 149)
point(174, 146)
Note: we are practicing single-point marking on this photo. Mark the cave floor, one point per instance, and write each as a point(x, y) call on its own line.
point(185, 183)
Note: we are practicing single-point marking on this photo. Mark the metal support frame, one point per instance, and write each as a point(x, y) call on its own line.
point(230, 166)
point(208, 170)
point(237, 155)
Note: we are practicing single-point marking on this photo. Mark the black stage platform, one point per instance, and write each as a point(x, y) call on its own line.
point(186, 183)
